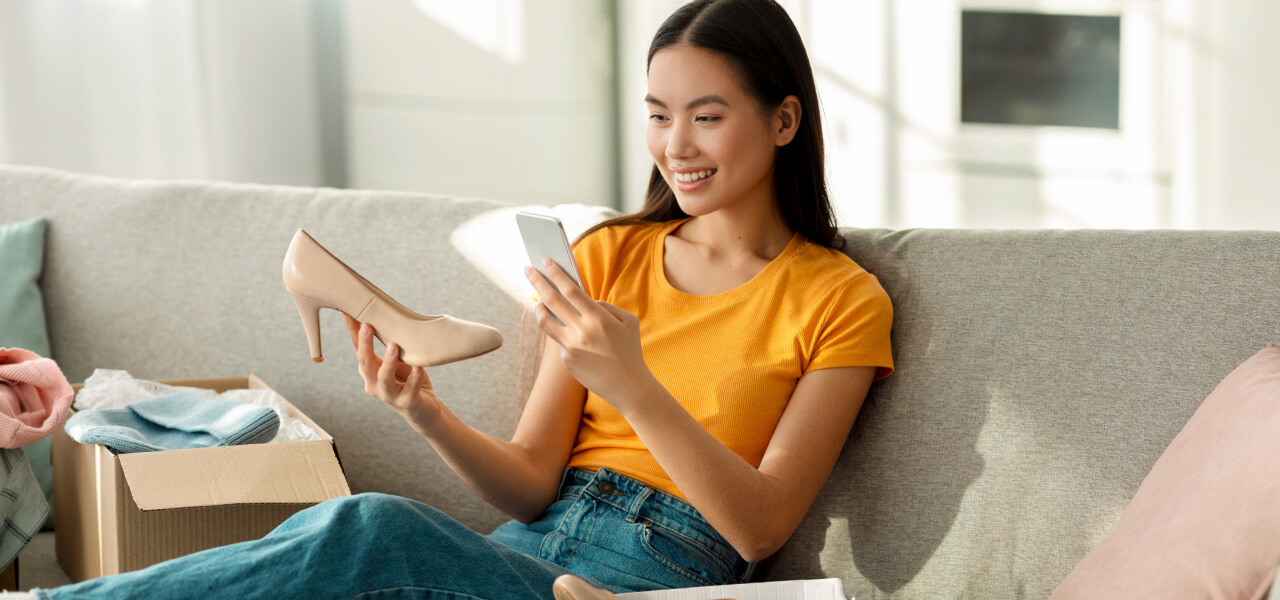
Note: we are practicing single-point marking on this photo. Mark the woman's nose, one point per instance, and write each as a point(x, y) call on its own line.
point(681, 143)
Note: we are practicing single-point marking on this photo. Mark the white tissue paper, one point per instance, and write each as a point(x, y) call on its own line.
point(801, 589)
point(111, 388)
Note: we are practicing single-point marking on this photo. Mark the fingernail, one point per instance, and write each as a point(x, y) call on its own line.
point(546, 262)
point(364, 329)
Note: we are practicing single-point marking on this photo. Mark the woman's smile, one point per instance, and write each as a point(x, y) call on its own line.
point(687, 181)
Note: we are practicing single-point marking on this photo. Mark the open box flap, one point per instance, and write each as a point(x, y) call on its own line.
point(286, 473)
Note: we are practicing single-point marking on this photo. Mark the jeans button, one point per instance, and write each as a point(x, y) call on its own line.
point(606, 487)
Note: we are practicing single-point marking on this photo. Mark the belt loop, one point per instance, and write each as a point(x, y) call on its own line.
point(633, 508)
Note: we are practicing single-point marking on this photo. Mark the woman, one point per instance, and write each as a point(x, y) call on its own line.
point(690, 402)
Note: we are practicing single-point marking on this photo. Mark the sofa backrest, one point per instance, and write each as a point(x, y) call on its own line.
point(1040, 374)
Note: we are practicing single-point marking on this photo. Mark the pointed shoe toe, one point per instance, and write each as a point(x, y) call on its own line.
point(572, 587)
point(430, 341)
point(316, 279)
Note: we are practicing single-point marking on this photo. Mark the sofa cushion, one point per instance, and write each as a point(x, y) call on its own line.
point(1205, 522)
point(1040, 376)
point(21, 308)
point(22, 323)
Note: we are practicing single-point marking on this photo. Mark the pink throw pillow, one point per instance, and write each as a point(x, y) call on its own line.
point(1205, 522)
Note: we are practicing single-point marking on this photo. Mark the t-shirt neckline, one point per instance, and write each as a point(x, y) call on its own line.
point(658, 271)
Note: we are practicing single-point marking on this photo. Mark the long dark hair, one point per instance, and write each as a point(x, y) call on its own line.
point(762, 44)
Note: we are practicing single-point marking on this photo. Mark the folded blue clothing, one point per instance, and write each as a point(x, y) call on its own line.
point(174, 422)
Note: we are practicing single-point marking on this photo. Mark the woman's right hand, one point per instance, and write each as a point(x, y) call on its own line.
point(405, 388)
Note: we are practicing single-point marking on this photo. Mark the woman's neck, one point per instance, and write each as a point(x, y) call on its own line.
point(735, 231)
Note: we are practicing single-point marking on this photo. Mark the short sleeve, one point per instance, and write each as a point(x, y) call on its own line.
point(854, 331)
point(592, 255)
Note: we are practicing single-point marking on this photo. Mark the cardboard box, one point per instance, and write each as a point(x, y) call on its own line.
point(126, 512)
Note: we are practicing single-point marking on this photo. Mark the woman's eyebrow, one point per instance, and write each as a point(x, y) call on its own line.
point(695, 103)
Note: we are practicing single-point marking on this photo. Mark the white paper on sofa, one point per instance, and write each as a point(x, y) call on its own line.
point(804, 589)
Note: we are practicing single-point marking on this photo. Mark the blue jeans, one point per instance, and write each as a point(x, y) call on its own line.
point(611, 530)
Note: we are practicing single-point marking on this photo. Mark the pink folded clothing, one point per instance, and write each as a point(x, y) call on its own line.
point(34, 397)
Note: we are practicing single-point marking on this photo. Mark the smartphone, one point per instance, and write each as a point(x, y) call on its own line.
point(544, 237)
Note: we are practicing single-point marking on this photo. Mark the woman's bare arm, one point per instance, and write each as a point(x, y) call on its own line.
point(756, 510)
point(520, 477)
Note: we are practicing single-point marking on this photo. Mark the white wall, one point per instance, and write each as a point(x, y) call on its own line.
point(102, 87)
point(1242, 118)
point(258, 60)
point(212, 89)
point(516, 100)
point(504, 99)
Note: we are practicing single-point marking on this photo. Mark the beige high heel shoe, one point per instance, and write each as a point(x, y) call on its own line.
point(572, 587)
point(317, 279)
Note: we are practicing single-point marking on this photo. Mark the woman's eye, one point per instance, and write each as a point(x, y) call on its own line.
point(707, 119)
point(658, 118)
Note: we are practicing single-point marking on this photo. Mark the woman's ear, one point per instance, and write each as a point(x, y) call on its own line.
point(786, 121)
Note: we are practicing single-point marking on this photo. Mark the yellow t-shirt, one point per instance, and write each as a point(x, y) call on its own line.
point(731, 359)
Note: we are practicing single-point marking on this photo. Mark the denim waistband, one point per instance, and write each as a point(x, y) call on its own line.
point(643, 503)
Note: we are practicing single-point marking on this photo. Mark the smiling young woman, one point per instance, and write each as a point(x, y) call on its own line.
point(715, 148)
point(759, 339)
point(693, 395)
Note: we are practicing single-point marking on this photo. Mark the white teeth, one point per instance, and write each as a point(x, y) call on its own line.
point(692, 177)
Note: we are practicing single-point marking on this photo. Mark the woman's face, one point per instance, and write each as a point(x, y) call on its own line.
point(706, 134)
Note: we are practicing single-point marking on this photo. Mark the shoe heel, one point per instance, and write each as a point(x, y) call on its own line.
point(309, 310)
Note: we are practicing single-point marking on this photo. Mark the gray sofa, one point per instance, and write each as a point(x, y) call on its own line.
point(1040, 374)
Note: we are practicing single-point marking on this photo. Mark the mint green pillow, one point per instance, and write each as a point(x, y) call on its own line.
point(21, 307)
point(22, 316)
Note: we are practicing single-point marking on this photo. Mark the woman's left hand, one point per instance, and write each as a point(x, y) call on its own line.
point(599, 342)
